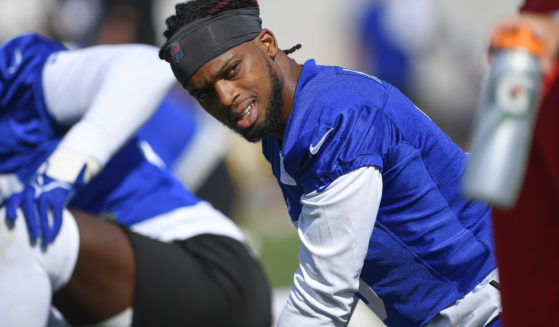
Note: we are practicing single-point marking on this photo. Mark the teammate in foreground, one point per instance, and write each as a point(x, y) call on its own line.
point(67, 120)
point(370, 182)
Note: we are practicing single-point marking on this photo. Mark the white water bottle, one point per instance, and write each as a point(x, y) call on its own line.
point(505, 120)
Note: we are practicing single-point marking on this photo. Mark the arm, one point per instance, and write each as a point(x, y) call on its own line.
point(105, 94)
point(334, 227)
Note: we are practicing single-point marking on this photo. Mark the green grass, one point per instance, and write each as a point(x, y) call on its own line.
point(278, 256)
point(272, 236)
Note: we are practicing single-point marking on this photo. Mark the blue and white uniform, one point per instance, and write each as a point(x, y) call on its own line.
point(114, 89)
point(373, 187)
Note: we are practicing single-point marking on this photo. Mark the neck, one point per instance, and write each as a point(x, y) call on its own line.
point(289, 71)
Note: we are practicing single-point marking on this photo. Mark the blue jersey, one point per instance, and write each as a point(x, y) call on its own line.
point(25, 125)
point(129, 188)
point(429, 246)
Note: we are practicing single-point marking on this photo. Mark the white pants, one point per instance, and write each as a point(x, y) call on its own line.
point(29, 273)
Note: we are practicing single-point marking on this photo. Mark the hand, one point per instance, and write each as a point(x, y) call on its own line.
point(546, 27)
point(41, 196)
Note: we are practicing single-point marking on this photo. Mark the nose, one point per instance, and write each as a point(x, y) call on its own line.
point(226, 92)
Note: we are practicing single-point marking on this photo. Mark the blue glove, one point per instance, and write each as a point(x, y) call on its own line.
point(41, 195)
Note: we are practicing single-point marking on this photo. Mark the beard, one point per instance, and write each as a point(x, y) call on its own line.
point(272, 120)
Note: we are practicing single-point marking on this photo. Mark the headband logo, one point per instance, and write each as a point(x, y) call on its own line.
point(176, 51)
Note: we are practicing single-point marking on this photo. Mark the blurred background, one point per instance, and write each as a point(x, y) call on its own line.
point(435, 51)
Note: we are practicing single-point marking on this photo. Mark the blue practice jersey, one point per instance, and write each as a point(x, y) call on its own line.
point(429, 246)
point(26, 129)
point(130, 188)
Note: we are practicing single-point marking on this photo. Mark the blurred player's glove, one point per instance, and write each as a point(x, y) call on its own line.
point(45, 196)
point(41, 195)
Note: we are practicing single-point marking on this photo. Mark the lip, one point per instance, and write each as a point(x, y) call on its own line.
point(242, 112)
point(248, 117)
point(237, 113)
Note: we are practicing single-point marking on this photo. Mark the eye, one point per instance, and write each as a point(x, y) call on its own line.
point(232, 71)
point(202, 95)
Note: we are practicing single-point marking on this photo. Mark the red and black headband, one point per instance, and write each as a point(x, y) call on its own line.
point(204, 39)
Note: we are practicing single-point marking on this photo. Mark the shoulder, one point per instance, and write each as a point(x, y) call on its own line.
point(341, 120)
point(33, 41)
point(343, 87)
point(338, 140)
point(341, 102)
point(331, 95)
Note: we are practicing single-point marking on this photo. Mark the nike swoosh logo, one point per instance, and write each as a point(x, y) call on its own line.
point(18, 56)
point(314, 148)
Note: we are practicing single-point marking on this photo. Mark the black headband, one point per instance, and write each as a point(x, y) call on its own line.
point(204, 39)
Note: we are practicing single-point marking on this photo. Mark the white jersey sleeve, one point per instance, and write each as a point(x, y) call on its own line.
point(105, 93)
point(334, 227)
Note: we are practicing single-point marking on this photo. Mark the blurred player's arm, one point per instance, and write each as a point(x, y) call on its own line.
point(105, 94)
point(334, 227)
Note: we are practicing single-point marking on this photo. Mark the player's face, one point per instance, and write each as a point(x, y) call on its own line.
point(241, 89)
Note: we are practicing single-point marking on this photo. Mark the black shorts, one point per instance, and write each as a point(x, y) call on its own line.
point(207, 280)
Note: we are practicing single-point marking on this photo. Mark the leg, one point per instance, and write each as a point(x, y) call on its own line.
point(207, 280)
point(102, 284)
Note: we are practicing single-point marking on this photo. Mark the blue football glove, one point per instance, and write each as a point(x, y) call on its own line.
point(49, 190)
point(42, 202)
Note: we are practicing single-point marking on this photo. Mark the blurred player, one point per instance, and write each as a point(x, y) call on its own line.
point(190, 143)
point(370, 182)
point(527, 234)
point(67, 120)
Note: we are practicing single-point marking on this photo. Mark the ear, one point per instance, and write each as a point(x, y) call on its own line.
point(267, 42)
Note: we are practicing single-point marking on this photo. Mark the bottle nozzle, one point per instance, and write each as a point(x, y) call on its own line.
point(520, 36)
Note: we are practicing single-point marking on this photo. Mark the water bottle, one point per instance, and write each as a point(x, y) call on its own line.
point(505, 119)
